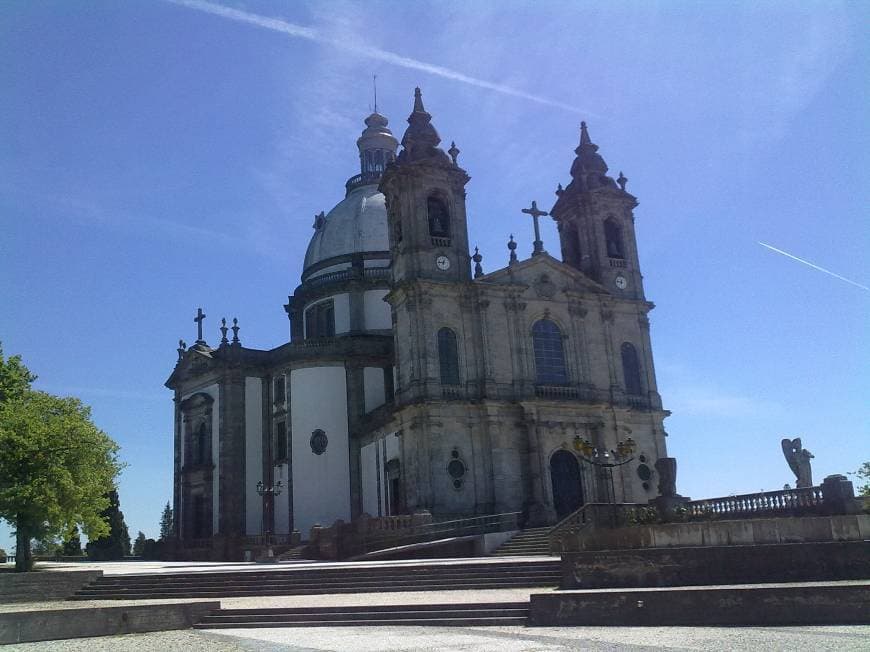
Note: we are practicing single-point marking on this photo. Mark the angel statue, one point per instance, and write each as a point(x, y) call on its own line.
point(798, 459)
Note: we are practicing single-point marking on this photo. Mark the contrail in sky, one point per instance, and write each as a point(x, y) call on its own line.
point(312, 34)
point(809, 264)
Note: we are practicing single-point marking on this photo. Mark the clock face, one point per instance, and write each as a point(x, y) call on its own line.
point(621, 282)
point(443, 263)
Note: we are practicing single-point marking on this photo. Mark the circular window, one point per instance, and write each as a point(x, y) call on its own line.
point(644, 473)
point(318, 441)
point(456, 469)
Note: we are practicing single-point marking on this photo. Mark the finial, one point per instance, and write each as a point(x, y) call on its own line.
point(182, 347)
point(200, 317)
point(535, 212)
point(512, 245)
point(319, 219)
point(559, 190)
point(418, 101)
point(223, 330)
point(622, 180)
point(453, 151)
point(584, 134)
point(235, 331)
point(477, 258)
point(375, 87)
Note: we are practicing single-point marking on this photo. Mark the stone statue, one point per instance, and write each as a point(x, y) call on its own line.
point(667, 468)
point(798, 459)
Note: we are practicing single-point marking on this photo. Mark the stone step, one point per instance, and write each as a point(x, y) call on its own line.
point(497, 613)
point(318, 590)
point(431, 622)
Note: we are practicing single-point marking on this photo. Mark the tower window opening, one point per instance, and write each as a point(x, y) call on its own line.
point(613, 238)
point(320, 320)
point(448, 357)
point(549, 356)
point(280, 441)
point(439, 218)
point(631, 369)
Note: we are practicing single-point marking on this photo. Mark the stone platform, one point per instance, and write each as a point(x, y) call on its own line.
point(816, 603)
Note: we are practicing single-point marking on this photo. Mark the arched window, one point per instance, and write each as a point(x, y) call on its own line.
point(613, 237)
point(448, 357)
point(549, 356)
point(439, 218)
point(631, 369)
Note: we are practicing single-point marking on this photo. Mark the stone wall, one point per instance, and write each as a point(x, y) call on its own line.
point(658, 567)
point(852, 527)
point(41, 586)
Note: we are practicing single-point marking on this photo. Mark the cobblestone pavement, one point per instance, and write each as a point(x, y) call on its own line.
point(474, 639)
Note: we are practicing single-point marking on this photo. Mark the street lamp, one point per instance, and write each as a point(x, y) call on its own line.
point(268, 494)
point(606, 460)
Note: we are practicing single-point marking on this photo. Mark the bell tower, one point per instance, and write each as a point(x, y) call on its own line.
point(425, 198)
point(595, 218)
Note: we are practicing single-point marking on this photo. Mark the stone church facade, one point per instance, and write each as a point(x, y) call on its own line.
point(412, 380)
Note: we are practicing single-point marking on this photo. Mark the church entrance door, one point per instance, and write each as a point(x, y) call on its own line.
point(567, 490)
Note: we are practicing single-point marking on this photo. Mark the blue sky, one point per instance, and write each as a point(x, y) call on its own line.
point(156, 157)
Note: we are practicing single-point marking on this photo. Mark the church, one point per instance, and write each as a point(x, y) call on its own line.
point(411, 379)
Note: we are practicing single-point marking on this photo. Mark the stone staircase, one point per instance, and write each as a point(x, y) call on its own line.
point(444, 615)
point(294, 554)
point(530, 542)
point(345, 578)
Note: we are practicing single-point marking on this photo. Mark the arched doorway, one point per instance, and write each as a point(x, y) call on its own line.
point(565, 476)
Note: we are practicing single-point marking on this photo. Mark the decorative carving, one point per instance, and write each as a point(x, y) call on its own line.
point(318, 442)
point(644, 322)
point(798, 459)
point(544, 287)
point(607, 315)
point(578, 311)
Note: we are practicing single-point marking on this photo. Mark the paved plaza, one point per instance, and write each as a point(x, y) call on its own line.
point(473, 639)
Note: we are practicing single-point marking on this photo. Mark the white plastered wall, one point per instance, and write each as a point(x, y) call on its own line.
point(321, 483)
point(373, 383)
point(253, 454)
point(214, 392)
point(377, 311)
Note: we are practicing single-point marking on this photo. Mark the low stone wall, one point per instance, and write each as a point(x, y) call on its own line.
point(659, 567)
point(41, 586)
point(49, 625)
point(758, 531)
point(775, 605)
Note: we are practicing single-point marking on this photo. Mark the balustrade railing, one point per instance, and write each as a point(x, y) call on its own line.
point(617, 262)
point(788, 502)
point(440, 242)
point(262, 540)
point(601, 514)
point(556, 392)
point(379, 539)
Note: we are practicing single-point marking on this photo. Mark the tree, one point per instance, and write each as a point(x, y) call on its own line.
point(166, 523)
point(863, 474)
point(72, 546)
point(139, 544)
point(55, 464)
point(115, 544)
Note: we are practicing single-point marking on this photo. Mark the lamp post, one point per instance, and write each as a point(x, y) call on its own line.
point(605, 460)
point(268, 494)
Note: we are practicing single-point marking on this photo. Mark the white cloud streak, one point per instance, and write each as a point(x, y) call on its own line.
point(809, 264)
point(316, 36)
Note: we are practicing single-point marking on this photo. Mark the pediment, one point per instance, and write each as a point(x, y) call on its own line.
point(544, 276)
point(195, 362)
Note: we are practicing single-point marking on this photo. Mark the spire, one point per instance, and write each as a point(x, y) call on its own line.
point(589, 169)
point(420, 140)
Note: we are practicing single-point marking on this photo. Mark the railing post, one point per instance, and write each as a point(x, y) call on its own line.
point(838, 495)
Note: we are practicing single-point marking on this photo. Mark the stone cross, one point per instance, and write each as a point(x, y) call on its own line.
point(200, 316)
point(535, 213)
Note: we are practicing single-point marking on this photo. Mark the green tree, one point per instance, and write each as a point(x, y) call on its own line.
point(72, 545)
point(139, 544)
point(166, 523)
point(863, 474)
point(55, 464)
point(115, 544)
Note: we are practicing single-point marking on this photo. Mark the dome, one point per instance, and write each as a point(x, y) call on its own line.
point(358, 224)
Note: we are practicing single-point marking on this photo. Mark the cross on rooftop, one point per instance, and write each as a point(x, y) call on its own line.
point(200, 317)
point(536, 213)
